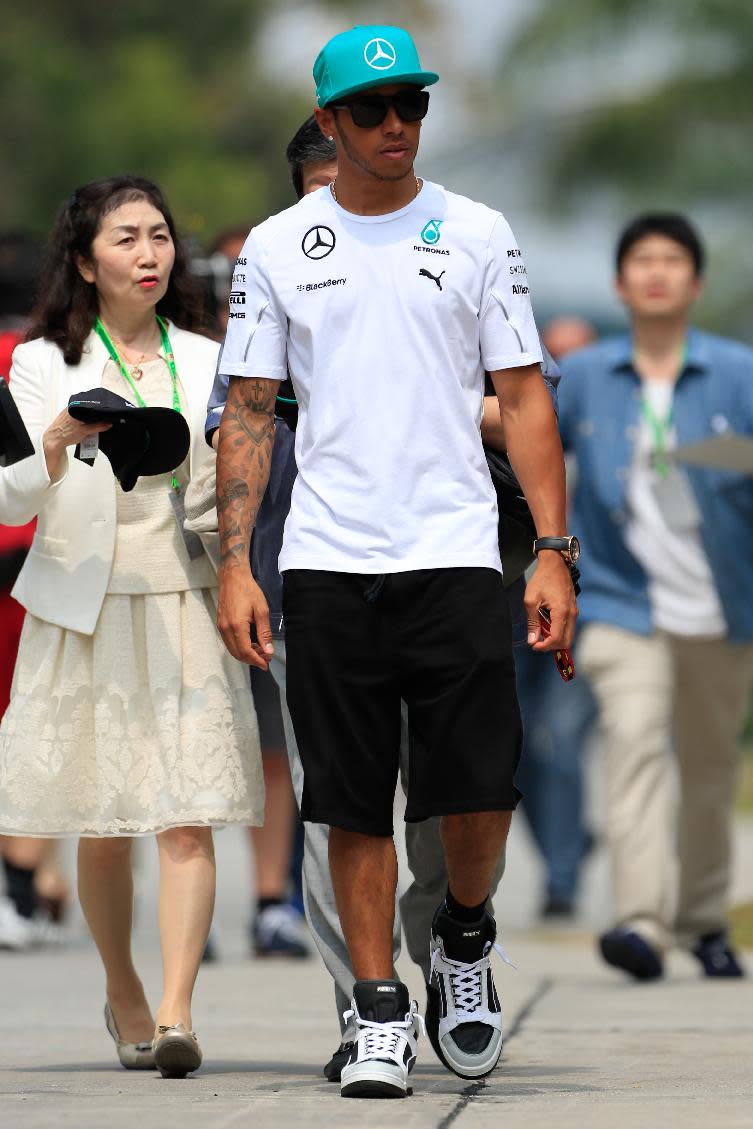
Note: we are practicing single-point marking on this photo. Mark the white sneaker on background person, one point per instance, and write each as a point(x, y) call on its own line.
point(16, 932)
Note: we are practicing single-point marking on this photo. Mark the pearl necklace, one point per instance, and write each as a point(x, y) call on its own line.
point(334, 193)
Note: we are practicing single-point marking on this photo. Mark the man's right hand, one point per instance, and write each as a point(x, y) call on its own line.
point(242, 606)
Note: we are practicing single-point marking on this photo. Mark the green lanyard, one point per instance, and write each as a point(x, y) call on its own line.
point(169, 357)
point(660, 427)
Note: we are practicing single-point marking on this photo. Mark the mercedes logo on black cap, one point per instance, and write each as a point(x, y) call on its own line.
point(318, 242)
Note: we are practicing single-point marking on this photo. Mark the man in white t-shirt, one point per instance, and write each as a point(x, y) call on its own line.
point(667, 605)
point(387, 298)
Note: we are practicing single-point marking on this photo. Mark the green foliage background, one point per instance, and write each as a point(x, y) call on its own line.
point(165, 90)
point(169, 89)
point(674, 134)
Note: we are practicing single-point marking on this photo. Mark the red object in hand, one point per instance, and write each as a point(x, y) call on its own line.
point(563, 658)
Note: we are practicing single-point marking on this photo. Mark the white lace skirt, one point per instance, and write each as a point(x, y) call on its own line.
point(148, 723)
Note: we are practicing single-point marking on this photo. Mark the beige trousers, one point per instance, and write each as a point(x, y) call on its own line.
point(671, 712)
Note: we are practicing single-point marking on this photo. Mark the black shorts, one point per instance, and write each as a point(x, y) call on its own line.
point(440, 639)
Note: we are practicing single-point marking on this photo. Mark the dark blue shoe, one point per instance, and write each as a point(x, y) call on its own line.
point(278, 931)
point(625, 949)
point(718, 959)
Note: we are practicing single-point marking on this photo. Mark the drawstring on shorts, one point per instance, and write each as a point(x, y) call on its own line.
point(371, 594)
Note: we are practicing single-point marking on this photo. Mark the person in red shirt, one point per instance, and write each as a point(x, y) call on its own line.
point(36, 892)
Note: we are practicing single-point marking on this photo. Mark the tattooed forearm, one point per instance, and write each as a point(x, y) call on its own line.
point(234, 489)
point(243, 460)
point(235, 553)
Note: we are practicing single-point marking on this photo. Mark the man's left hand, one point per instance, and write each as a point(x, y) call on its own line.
point(551, 587)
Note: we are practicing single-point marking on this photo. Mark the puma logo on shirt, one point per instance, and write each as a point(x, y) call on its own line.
point(433, 277)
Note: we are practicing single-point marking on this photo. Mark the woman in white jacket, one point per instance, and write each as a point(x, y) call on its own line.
point(127, 715)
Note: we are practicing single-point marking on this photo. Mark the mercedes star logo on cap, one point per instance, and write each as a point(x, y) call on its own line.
point(318, 242)
point(380, 54)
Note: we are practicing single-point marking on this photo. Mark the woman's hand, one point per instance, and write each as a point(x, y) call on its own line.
point(65, 431)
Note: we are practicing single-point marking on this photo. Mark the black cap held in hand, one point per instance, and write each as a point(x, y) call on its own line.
point(141, 441)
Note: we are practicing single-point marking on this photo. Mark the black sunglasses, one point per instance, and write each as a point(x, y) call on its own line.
point(370, 110)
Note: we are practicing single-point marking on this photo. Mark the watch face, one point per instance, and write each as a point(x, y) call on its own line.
point(574, 549)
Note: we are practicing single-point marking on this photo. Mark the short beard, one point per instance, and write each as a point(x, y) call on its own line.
point(367, 168)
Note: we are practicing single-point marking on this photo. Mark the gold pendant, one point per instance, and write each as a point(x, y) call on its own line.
point(137, 372)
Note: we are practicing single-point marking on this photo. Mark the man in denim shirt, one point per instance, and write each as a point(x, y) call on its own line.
point(667, 604)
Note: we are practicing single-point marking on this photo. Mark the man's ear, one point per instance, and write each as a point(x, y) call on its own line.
point(85, 269)
point(326, 121)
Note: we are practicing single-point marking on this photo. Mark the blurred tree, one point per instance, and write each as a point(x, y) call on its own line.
point(89, 89)
point(653, 104)
point(675, 116)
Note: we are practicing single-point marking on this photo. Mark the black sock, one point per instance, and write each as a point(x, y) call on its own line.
point(20, 888)
point(264, 903)
point(459, 912)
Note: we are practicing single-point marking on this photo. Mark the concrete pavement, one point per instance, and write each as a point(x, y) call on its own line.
point(584, 1046)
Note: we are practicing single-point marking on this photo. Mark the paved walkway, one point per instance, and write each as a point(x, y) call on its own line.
point(584, 1047)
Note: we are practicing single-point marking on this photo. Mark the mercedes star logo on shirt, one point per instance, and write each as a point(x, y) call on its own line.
point(318, 242)
point(380, 54)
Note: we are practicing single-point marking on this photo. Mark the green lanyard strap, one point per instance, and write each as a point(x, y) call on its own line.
point(660, 428)
point(169, 358)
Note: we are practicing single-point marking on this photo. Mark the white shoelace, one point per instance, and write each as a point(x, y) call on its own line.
point(382, 1039)
point(466, 979)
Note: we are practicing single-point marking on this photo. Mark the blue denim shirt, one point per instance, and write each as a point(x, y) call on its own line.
point(599, 400)
point(270, 521)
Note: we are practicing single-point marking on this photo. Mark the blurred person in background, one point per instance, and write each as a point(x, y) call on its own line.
point(667, 606)
point(557, 723)
point(222, 253)
point(126, 715)
point(36, 892)
point(567, 334)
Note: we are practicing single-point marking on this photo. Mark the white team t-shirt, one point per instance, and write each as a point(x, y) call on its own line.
point(386, 325)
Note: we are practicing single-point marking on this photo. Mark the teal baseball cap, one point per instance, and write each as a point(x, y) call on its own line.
point(375, 55)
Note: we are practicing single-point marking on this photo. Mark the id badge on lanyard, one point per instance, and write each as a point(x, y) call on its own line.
point(670, 487)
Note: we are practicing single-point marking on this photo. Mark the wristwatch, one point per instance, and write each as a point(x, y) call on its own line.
point(569, 547)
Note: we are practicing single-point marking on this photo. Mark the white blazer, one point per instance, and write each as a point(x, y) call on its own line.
point(65, 576)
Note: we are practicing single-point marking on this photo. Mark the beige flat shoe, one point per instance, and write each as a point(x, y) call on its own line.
point(176, 1051)
point(133, 1056)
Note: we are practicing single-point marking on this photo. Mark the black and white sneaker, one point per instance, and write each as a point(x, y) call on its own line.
point(463, 1012)
point(384, 1052)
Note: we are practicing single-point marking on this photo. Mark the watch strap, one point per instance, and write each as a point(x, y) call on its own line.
point(559, 544)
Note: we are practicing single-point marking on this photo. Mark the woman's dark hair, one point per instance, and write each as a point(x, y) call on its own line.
point(66, 306)
point(670, 224)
